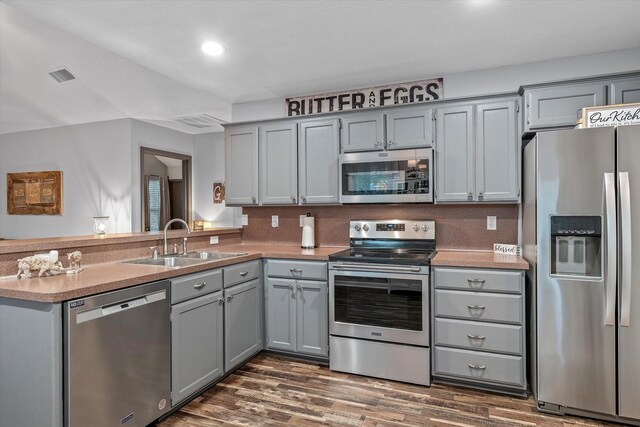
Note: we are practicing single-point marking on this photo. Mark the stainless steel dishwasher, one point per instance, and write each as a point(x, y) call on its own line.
point(117, 357)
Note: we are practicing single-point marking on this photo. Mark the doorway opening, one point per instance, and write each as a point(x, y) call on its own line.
point(165, 188)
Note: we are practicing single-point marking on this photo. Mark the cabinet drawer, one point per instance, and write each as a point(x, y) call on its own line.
point(479, 336)
point(478, 280)
point(193, 285)
point(235, 274)
point(297, 269)
point(479, 306)
point(479, 366)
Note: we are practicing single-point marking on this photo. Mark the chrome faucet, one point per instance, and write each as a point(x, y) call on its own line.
point(166, 248)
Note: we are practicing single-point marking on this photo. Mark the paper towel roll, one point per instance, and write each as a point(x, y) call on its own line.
point(308, 233)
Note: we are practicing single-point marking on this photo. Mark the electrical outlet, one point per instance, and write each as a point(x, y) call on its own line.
point(274, 221)
point(245, 219)
point(302, 217)
point(491, 223)
point(213, 240)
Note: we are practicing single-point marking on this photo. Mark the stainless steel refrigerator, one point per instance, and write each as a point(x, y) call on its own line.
point(581, 234)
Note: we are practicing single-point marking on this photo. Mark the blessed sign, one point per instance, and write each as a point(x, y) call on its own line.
point(611, 115)
point(357, 99)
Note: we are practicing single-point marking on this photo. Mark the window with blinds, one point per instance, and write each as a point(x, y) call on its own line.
point(154, 203)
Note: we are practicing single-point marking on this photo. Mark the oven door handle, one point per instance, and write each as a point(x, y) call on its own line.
point(361, 267)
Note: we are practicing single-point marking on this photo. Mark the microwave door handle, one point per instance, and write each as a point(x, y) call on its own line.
point(625, 235)
point(611, 266)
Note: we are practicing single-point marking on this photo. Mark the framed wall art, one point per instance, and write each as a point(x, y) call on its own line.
point(34, 193)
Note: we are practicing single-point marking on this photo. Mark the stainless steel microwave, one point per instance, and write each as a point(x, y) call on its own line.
point(399, 176)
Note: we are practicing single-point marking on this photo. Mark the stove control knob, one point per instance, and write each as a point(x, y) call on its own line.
point(416, 227)
point(365, 227)
point(357, 227)
point(425, 228)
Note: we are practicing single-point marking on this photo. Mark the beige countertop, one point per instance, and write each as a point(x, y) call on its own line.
point(478, 259)
point(105, 277)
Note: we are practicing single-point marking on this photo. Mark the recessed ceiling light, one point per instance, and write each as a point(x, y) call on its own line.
point(212, 48)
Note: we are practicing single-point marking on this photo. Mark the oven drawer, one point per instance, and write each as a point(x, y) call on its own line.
point(479, 366)
point(241, 273)
point(478, 280)
point(195, 285)
point(297, 269)
point(479, 306)
point(479, 336)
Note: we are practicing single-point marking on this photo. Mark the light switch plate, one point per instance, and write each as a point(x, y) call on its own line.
point(491, 223)
point(274, 221)
point(245, 219)
point(213, 240)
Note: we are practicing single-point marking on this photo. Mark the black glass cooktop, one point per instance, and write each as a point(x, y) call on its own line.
point(399, 256)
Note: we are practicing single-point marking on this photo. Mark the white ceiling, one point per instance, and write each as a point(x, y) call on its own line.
point(142, 59)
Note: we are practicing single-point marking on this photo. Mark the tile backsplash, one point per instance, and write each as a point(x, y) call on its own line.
point(457, 226)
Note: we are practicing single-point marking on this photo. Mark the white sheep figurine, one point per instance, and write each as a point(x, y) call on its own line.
point(46, 266)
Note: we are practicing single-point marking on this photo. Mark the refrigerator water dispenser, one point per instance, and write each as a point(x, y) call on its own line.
point(575, 245)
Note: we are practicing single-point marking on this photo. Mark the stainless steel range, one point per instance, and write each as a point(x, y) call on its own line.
point(379, 300)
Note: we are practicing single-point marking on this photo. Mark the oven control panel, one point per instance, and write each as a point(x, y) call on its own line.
point(392, 229)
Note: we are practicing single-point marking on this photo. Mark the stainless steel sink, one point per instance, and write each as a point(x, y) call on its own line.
point(208, 256)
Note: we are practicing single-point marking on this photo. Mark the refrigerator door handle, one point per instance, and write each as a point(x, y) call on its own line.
point(625, 271)
point(612, 267)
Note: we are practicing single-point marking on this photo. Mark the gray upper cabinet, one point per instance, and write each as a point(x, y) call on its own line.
point(454, 154)
point(242, 323)
point(312, 318)
point(278, 164)
point(318, 152)
point(558, 106)
point(281, 314)
point(196, 345)
point(496, 152)
point(241, 165)
point(409, 128)
point(625, 91)
point(363, 132)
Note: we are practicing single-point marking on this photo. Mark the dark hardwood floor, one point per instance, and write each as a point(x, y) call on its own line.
point(272, 390)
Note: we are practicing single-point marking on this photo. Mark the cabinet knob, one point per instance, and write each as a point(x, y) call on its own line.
point(229, 298)
point(253, 200)
point(390, 143)
point(480, 195)
point(299, 288)
point(470, 195)
point(304, 199)
point(221, 301)
point(378, 144)
point(293, 199)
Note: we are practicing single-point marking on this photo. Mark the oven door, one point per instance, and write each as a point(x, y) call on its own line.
point(403, 176)
point(382, 305)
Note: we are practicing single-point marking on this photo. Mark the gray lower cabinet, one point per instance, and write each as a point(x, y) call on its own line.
point(197, 344)
point(279, 164)
point(479, 328)
point(363, 132)
point(241, 165)
point(318, 152)
point(476, 156)
point(409, 128)
point(242, 323)
point(297, 307)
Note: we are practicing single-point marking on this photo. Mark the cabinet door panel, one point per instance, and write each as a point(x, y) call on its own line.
point(196, 345)
point(558, 106)
point(363, 132)
point(496, 152)
point(319, 149)
point(278, 164)
point(625, 91)
point(312, 318)
point(409, 128)
point(242, 325)
point(454, 154)
point(281, 314)
point(241, 166)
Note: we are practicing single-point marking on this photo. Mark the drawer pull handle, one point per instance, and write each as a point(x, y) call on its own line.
point(200, 286)
point(476, 283)
point(244, 273)
point(476, 307)
point(477, 367)
point(476, 337)
point(295, 270)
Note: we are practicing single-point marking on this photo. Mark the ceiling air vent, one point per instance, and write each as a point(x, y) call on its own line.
point(199, 121)
point(62, 75)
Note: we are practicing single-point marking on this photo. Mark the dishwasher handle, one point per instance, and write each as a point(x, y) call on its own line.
point(111, 309)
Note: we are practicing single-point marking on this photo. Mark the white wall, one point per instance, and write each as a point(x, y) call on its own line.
point(96, 170)
point(488, 81)
point(208, 167)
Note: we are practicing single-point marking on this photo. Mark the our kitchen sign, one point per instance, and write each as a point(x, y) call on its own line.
point(611, 115)
point(359, 99)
